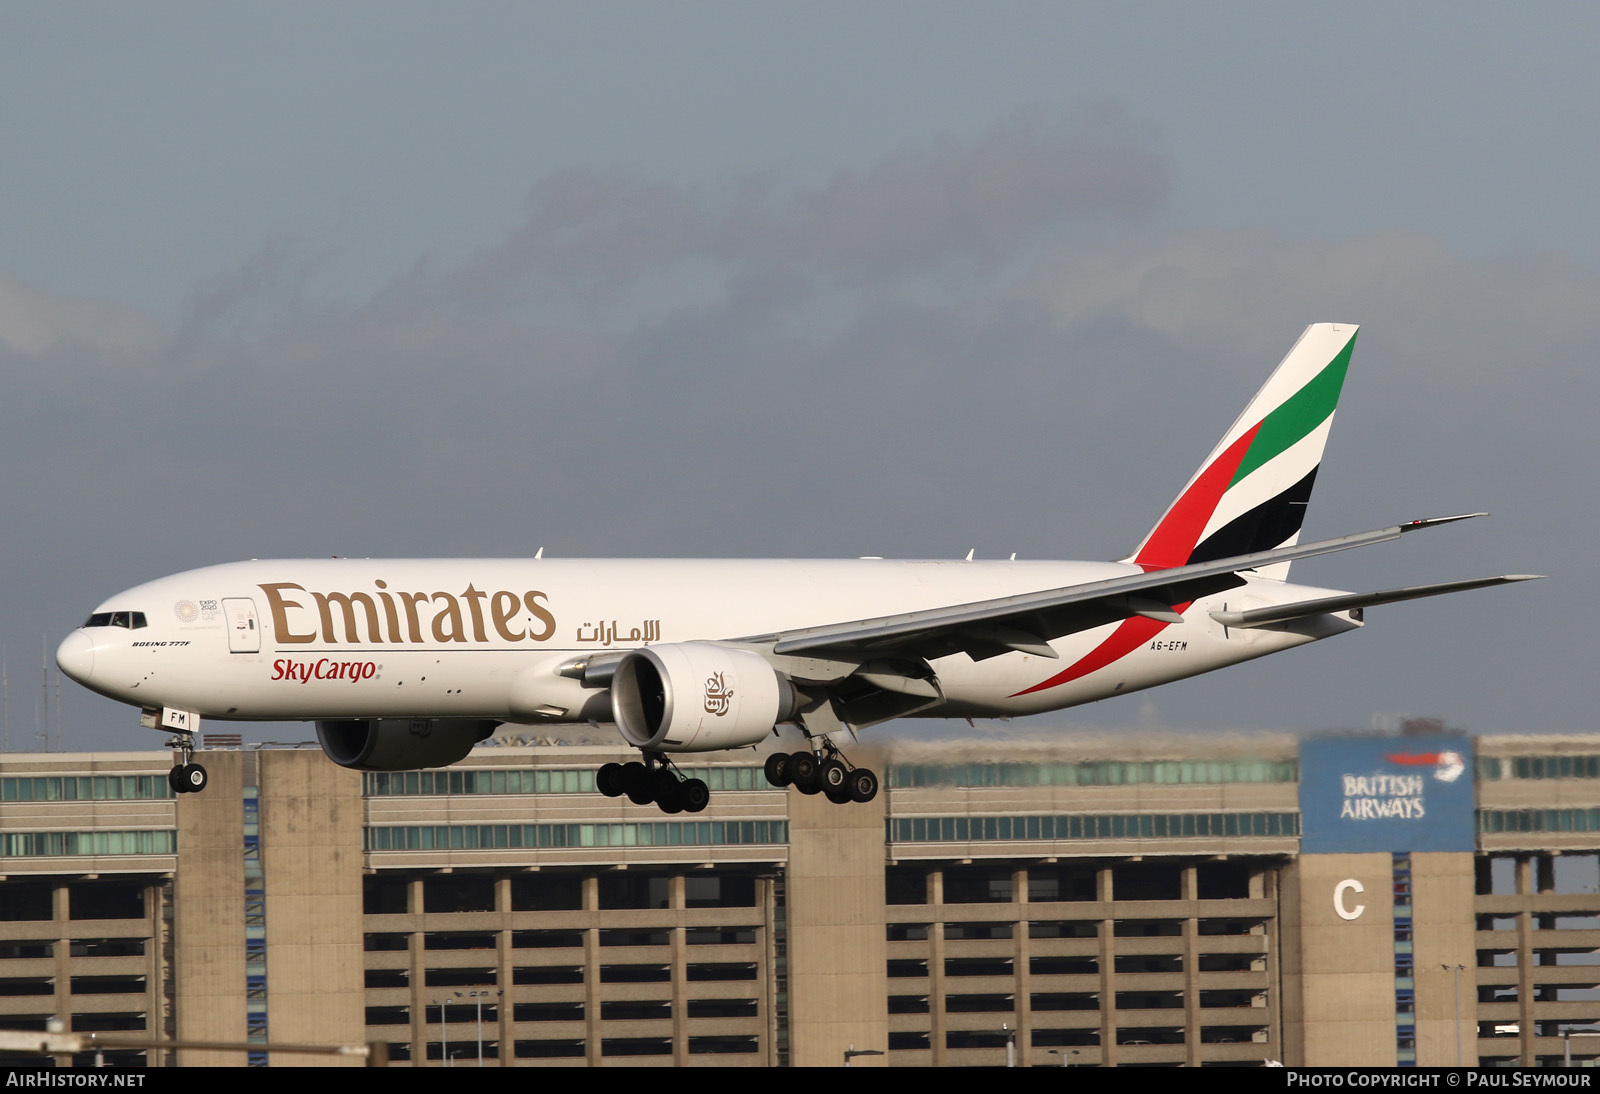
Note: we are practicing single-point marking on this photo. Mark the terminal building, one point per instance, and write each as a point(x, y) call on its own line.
point(1421, 899)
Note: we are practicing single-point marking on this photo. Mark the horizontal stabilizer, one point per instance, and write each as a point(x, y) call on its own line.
point(1282, 613)
point(1434, 522)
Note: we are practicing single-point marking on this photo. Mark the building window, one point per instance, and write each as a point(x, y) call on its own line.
point(548, 1050)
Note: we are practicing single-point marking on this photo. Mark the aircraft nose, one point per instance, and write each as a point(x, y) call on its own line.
point(75, 656)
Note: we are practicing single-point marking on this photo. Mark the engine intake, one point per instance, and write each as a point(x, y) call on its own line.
point(697, 697)
point(400, 744)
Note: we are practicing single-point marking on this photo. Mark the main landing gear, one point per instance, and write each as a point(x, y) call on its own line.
point(831, 775)
point(187, 777)
point(657, 780)
point(654, 780)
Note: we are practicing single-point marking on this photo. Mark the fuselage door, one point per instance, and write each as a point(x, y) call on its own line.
point(244, 632)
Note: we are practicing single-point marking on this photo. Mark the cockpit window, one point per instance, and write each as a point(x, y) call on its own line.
point(130, 620)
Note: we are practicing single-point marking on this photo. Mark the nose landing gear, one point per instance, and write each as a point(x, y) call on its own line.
point(187, 777)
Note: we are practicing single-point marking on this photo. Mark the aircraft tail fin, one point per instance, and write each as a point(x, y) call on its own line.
point(1251, 493)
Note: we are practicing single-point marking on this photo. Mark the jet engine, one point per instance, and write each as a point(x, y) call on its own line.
point(697, 697)
point(400, 744)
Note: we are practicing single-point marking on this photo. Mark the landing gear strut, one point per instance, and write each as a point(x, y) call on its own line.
point(187, 777)
point(833, 775)
point(657, 780)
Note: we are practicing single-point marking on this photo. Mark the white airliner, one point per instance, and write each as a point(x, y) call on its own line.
point(407, 664)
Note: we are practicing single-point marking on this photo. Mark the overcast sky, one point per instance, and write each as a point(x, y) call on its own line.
point(808, 279)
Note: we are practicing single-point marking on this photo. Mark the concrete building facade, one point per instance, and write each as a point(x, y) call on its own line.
point(1137, 902)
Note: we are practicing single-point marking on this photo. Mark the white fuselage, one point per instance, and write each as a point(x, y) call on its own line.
point(483, 638)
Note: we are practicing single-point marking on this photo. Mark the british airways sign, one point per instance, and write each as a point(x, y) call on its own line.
point(1386, 794)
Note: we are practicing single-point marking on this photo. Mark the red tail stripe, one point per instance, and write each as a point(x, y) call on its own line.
point(1174, 538)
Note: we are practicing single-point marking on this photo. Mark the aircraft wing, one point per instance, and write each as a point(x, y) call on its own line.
point(1028, 621)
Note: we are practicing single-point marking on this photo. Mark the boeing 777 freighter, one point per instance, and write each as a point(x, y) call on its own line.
point(408, 664)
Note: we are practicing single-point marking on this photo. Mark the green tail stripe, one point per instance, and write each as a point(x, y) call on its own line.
point(1297, 415)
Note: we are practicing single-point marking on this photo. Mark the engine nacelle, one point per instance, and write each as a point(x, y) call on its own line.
point(400, 744)
point(697, 697)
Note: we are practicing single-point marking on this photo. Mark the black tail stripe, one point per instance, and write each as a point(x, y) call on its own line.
point(1266, 526)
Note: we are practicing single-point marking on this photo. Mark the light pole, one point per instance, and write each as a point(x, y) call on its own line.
point(1010, 1036)
point(444, 1030)
point(1566, 1036)
point(1458, 970)
point(479, 997)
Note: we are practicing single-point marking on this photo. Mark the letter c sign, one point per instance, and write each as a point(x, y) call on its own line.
point(1342, 909)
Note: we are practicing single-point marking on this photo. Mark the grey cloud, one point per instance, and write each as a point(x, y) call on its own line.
point(33, 322)
point(1206, 286)
point(980, 202)
point(1467, 364)
point(595, 233)
point(589, 230)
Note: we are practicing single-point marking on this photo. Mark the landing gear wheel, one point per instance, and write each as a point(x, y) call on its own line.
point(778, 767)
point(694, 794)
point(656, 779)
point(838, 795)
point(667, 789)
point(186, 776)
point(832, 775)
point(862, 784)
point(803, 771)
point(636, 783)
